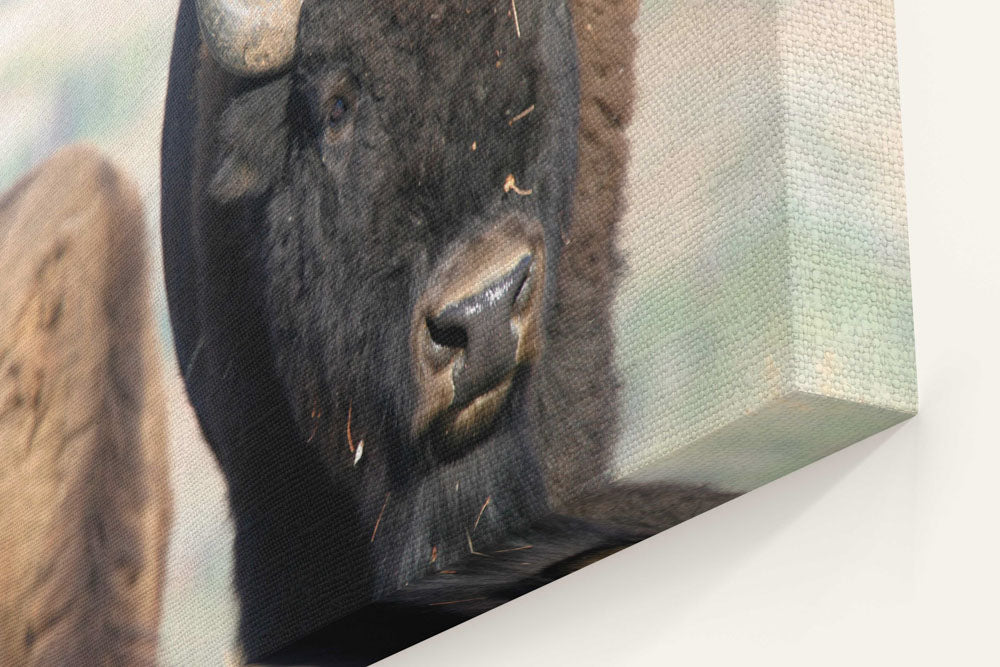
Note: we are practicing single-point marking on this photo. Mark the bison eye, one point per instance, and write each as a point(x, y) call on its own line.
point(338, 113)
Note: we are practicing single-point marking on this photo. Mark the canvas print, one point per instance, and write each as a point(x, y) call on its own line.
point(330, 325)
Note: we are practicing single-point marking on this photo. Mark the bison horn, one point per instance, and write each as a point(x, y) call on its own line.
point(250, 37)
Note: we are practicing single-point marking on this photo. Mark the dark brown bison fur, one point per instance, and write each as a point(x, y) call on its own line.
point(291, 281)
point(84, 503)
point(578, 449)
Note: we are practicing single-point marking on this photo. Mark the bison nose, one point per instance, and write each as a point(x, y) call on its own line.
point(476, 327)
point(481, 331)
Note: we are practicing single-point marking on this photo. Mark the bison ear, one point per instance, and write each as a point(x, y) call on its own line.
point(234, 179)
point(252, 137)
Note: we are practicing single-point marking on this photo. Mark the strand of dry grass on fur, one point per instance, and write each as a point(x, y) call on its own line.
point(358, 449)
point(517, 24)
point(511, 184)
point(481, 510)
point(379, 519)
point(521, 115)
point(314, 415)
point(472, 550)
point(350, 440)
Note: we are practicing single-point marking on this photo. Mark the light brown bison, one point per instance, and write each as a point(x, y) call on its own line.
point(84, 503)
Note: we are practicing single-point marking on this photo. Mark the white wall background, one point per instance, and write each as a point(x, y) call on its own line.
point(885, 553)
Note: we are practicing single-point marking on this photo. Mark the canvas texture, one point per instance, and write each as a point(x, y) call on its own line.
point(728, 302)
point(778, 276)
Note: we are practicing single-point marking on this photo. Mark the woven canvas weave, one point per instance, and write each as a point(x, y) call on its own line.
point(766, 319)
point(731, 302)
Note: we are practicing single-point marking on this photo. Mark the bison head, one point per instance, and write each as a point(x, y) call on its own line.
point(403, 173)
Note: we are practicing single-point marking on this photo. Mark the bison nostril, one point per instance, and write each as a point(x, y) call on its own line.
point(519, 277)
point(447, 336)
point(522, 292)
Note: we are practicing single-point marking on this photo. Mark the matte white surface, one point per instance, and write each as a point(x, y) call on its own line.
point(886, 553)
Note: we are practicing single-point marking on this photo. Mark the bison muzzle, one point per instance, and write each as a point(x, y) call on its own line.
point(474, 328)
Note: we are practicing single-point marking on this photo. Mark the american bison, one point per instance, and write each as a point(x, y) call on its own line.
point(390, 291)
point(84, 501)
